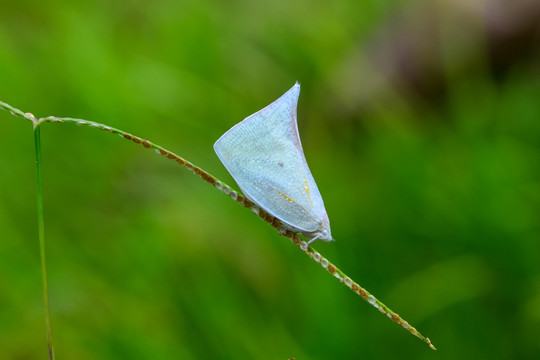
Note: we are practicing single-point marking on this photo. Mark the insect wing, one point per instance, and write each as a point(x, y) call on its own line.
point(264, 155)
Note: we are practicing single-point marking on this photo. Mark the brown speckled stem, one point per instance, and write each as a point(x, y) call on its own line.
point(242, 200)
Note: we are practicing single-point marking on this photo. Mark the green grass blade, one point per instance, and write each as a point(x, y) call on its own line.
point(41, 236)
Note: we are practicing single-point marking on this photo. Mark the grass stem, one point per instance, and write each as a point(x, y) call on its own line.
point(41, 236)
point(221, 186)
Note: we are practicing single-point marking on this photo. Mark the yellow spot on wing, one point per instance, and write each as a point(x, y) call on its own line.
point(306, 187)
point(285, 196)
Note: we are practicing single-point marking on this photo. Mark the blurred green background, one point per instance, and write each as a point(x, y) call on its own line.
point(420, 122)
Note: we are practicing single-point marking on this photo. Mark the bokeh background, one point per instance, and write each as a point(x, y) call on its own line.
point(420, 122)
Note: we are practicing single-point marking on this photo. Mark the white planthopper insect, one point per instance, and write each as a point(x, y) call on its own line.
point(264, 155)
